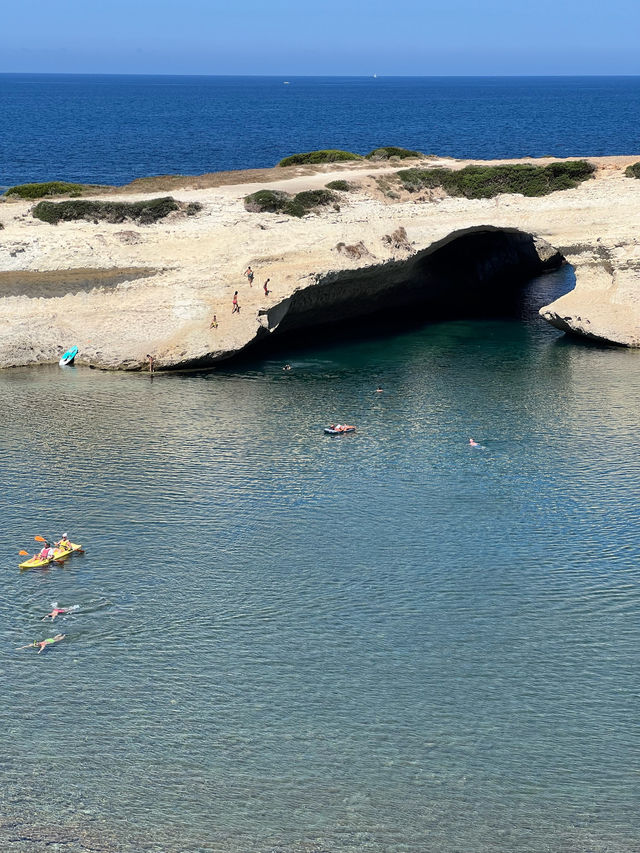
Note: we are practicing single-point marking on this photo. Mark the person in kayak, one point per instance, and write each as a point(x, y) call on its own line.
point(44, 643)
point(46, 553)
point(64, 542)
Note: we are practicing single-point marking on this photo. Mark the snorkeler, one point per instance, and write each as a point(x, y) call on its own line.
point(43, 643)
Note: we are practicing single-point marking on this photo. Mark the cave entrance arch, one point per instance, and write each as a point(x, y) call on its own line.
point(480, 271)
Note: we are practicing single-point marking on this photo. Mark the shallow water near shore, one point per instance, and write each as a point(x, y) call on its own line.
point(291, 642)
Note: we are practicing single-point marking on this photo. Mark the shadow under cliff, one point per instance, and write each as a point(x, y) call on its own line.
point(479, 272)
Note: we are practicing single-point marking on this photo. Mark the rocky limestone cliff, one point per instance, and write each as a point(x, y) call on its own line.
point(605, 304)
point(120, 293)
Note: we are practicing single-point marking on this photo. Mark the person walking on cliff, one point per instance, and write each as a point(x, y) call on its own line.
point(249, 274)
point(266, 287)
point(236, 307)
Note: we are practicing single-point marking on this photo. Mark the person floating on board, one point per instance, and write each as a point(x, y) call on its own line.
point(43, 643)
point(266, 287)
point(249, 274)
point(236, 307)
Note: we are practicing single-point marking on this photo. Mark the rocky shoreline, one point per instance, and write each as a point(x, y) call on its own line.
point(120, 291)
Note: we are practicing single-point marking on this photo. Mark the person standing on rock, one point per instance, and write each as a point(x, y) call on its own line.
point(236, 307)
point(150, 360)
point(249, 274)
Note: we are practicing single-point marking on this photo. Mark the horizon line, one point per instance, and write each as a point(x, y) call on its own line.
point(310, 76)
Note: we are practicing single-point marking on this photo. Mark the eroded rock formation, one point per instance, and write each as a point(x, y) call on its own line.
point(605, 304)
point(119, 295)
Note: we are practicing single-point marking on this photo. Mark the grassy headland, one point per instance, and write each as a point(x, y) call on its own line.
point(389, 151)
point(50, 188)
point(329, 155)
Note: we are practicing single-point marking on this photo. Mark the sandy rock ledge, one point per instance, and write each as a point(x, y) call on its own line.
point(120, 292)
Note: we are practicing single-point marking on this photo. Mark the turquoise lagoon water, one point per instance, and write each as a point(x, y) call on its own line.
point(288, 642)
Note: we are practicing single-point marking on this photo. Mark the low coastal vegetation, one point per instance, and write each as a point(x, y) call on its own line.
point(633, 171)
point(340, 186)
point(276, 201)
point(389, 151)
point(489, 181)
point(48, 189)
point(333, 155)
point(330, 155)
point(142, 212)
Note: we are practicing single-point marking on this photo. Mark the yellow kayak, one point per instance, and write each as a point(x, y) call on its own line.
point(38, 562)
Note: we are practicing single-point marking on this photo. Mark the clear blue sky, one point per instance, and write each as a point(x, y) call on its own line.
point(284, 37)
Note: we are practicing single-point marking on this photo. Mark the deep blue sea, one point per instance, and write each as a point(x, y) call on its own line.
point(112, 129)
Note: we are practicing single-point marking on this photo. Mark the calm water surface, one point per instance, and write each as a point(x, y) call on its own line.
point(383, 642)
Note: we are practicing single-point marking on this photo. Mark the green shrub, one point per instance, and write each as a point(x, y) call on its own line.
point(47, 189)
point(341, 186)
point(143, 212)
point(391, 151)
point(274, 201)
point(633, 171)
point(313, 157)
point(267, 201)
point(192, 208)
point(489, 181)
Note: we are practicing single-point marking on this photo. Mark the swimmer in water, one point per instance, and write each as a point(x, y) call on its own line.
point(44, 643)
point(473, 443)
point(57, 611)
point(378, 390)
point(287, 367)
